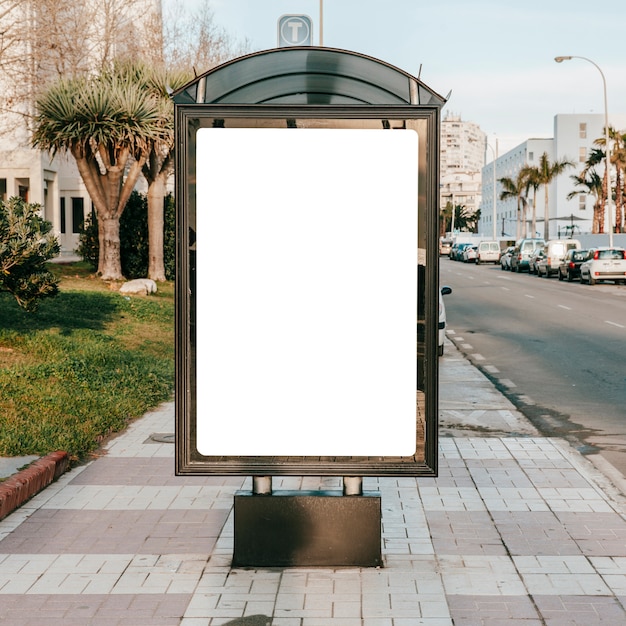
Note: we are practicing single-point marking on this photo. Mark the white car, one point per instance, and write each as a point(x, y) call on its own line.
point(604, 264)
point(469, 254)
point(444, 291)
point(488, 252)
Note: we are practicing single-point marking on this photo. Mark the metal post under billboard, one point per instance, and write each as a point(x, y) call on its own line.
point(307, 250)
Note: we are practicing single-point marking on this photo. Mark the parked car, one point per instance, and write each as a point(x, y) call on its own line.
point(488, 252)
point(444, 291)
point(521, 255)
point(552, 254)
point(456, 252)
point(445, 246)
point(569, 268)
point(470, 254)
point(533, 260)
point(505, 258)
point(604, 264)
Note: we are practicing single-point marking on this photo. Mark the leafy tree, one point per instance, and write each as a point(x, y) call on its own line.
point(26, 243)
point(516, 188)
point(542, 175)
point(108, 124)
point(465, 220)
point(192, 40)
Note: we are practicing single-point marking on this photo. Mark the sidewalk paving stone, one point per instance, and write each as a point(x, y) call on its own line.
point(517, 529)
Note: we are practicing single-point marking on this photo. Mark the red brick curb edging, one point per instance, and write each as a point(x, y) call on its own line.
point(25, 484)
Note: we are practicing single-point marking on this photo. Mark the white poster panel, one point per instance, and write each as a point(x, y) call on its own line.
point(306, 244)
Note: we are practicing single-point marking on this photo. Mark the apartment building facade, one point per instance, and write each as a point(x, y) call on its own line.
point(33, 31)
point(573, 140)
point(462, 158)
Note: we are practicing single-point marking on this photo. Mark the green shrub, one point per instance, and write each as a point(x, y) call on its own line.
point(26, 244)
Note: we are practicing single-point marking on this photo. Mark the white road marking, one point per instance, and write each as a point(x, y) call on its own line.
point(567, 308)
point(614, 324)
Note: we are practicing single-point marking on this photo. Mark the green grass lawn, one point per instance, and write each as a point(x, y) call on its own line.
point(84, 365)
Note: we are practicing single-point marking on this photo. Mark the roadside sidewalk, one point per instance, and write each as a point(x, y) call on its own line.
point(517, 529)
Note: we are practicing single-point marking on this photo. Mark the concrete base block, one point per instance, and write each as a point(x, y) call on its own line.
point(306, 529)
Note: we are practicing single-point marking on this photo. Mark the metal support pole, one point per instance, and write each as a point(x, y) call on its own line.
point(321, 23)
point(352, 485)
point(262, 485)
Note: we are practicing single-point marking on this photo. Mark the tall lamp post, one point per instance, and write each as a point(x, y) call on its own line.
point(609, 199)
point(321, 23)
point(495, 214)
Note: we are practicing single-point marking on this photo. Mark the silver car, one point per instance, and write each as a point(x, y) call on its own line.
point(604, 264)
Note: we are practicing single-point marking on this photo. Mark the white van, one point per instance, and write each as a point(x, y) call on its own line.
point(488, 252)
point(553, 253)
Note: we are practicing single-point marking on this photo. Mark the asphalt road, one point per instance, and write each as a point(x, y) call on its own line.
point(556, 349)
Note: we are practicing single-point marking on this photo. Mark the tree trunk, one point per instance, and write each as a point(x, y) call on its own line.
point(546, 212)
point(619, 202)
point(111, 268)
point(156, 196)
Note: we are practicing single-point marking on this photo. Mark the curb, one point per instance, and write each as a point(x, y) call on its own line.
point(25, 484)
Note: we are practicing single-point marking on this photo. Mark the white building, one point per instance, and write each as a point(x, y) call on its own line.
point(574, 136)
point(504, 225)
point(25, 66)
point(462, 159)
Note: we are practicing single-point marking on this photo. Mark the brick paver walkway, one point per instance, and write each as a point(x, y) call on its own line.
point(517, 530)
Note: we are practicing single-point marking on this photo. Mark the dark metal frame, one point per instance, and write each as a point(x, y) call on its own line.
point(188, 118)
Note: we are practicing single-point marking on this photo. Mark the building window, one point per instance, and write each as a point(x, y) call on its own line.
point(3, 189)
point(582, 130)
point(78, 214)
point(531, 156)
point(582, 154)
point(63, 222)
point(582, 202)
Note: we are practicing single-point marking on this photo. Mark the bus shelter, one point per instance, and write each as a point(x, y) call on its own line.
point(307, 281)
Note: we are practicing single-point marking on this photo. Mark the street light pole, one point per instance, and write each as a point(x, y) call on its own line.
point(609, 198)
point(321, 23)
point(495, 214)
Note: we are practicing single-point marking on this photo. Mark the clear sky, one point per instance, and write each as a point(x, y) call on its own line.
point(496, 56)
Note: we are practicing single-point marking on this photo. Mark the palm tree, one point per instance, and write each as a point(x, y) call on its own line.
point(108, 124)
point(596, 157)
point(591, 185)
point(543, 175)
point(530, 175)
point(516, 189)
point(618, 159)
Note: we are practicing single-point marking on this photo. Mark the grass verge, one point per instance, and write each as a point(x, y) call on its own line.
point(83, 366)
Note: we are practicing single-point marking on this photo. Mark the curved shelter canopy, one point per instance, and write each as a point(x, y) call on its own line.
point(307, 75)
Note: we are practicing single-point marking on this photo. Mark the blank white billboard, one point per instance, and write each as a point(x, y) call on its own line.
point(306, 294)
